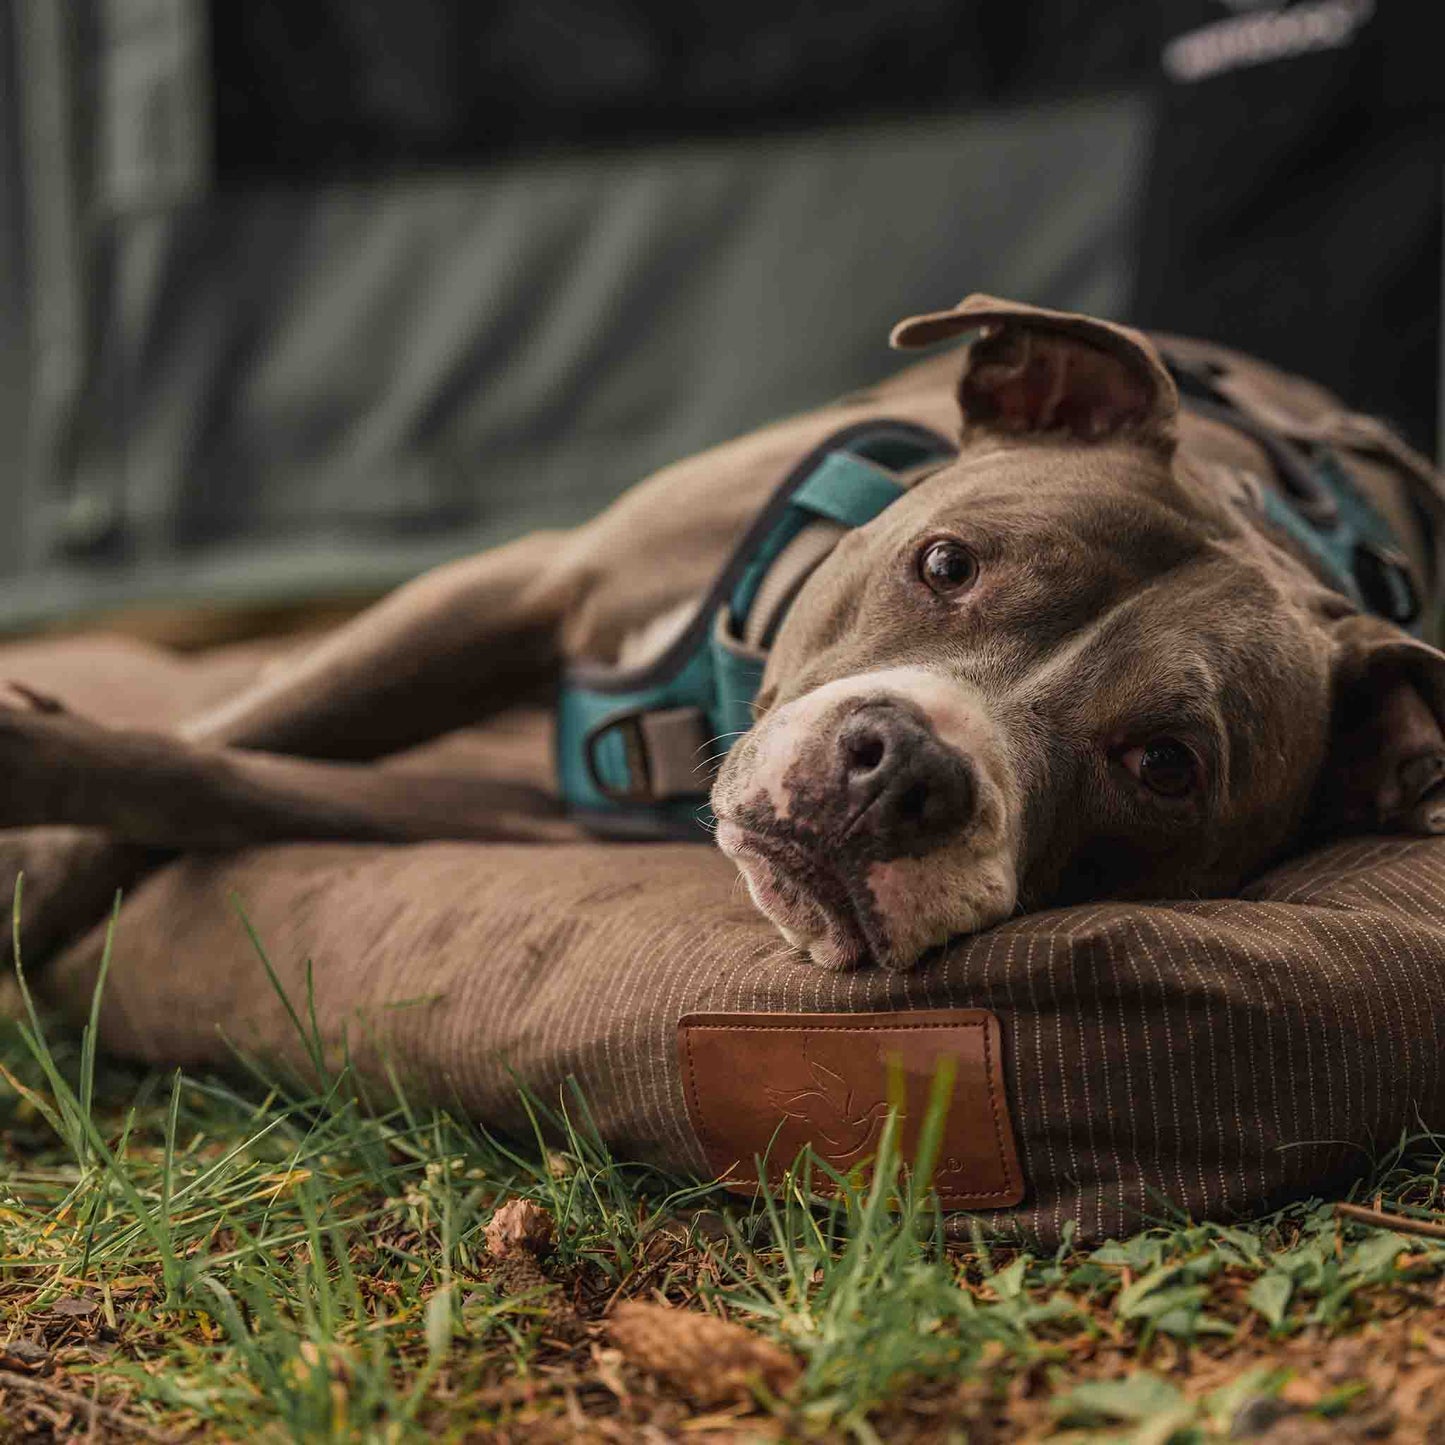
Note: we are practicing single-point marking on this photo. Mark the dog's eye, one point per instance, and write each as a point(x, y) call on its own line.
point(1164, 765)
point(947, 566)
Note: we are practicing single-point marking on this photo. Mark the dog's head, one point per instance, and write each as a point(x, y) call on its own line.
point(1063, 667)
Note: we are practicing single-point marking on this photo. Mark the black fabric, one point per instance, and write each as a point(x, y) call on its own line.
point(321, 85)
point(1293, 205)
point(1069, 46)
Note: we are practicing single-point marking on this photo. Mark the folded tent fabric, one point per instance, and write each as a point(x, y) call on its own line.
point(1215, 1057)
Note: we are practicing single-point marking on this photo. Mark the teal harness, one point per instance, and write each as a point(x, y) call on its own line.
point(637, 747)
point(1320, 507)
point(1358, 552)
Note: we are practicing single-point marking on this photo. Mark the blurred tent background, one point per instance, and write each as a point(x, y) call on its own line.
point(298, 297)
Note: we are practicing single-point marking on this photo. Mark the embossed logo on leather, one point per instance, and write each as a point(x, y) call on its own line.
point(763, 1085)
point(831, 1112)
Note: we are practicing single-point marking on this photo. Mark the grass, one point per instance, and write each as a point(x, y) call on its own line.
point(188, 1257)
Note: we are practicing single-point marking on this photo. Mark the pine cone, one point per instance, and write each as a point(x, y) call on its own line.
point(519, 1225)
point(712, 1361)
point(517, 1235)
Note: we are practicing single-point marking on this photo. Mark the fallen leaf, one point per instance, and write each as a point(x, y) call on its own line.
point(74, 1308)
point(1270, 1295)
point(23, 1352)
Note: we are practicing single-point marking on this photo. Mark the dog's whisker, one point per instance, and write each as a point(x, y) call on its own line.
point(737, 733)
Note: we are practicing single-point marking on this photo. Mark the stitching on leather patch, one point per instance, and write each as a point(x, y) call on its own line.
point(765, 1084)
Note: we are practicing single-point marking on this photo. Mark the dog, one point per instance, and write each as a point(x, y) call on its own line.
point(1090, 651)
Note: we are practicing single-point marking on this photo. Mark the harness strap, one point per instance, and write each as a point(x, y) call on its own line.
point(1317, 504)
point(795, 564)
point(636, 748)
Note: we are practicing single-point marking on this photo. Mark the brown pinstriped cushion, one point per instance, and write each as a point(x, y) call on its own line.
point(1216, 1057)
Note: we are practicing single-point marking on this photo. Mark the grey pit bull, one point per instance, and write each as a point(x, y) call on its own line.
point(1077, 662)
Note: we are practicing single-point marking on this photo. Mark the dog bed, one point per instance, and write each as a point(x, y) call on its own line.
point(1117, 1063)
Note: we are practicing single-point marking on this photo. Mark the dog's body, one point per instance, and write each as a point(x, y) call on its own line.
point(1078, 661)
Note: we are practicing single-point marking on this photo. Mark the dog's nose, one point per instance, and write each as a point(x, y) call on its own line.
point(905, 789)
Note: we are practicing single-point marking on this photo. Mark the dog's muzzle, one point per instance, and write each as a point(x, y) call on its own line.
point(871, 818)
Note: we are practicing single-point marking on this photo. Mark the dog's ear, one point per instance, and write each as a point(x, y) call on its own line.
point(1386, 767)
point(1032, 371)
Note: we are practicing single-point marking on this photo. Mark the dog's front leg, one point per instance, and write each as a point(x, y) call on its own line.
point(160, 791)
point(459, 643)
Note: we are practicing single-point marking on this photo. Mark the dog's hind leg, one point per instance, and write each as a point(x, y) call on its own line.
point(463, 641)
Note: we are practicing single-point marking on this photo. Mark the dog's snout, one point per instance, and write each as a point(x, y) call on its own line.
point(905, 789)
point(874, 815)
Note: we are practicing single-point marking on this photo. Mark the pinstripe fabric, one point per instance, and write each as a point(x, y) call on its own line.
point(1213, 1057)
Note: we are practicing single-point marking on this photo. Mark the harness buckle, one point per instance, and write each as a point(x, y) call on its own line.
point(648, 755)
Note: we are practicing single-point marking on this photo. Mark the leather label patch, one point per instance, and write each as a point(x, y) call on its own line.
point(764, 1085)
